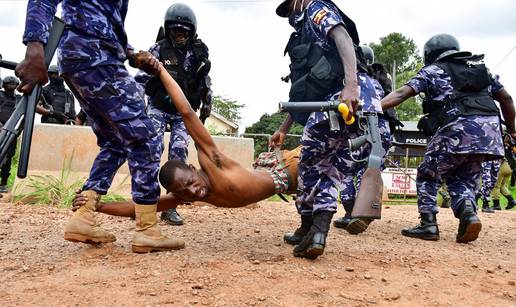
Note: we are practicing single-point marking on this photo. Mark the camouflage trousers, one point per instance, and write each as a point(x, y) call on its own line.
point(116, 110)
point(490, 170)
point(179, 137)
point(351, 187)
point(325, 167)
point(460, 172)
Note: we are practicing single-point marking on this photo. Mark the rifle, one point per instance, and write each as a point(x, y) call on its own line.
point(368, 204)
point(22, 119)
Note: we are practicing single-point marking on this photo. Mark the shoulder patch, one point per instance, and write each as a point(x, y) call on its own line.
point(319, 16)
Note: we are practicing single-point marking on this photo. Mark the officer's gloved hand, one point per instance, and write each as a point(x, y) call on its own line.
point(145, 61)
point(206, 110)
point(60, 116)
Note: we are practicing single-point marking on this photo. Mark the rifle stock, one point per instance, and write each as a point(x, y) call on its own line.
point(22, 119)
point(368, 204)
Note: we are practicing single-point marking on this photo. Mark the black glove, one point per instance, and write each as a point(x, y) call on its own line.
point(60, 116)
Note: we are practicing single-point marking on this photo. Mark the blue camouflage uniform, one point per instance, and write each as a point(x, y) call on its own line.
point(490, 170)
point(91, 60)
point(325, 165)
point(456, 152)
point(179, 137)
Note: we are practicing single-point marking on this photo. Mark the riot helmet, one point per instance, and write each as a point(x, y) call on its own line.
point(179, 16)
point(10, 83)
point(53, 76)
point(368, 54)
point(286, 7)
point(437, 45)
point(11, 80)
point(283, 10)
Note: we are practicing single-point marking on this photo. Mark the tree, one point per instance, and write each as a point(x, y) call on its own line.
point(396, 49)
point(268, 124)
point(228, 108)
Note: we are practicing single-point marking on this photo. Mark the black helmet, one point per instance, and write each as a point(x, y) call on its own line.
point(368, 54)
point(180, 14)
point(53, 69)
point(283, 10)
point(11, 79)
point(438, 44)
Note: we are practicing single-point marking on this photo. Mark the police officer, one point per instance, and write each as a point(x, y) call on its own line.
point(57, 103)
point(382, 85)
point(490, 170)
point(185, 57)
point(463, 122)
point(8, 101)
point(93, 49)
point(323, 46)
point(500, 187)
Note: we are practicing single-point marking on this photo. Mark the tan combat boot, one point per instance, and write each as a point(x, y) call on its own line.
point(82, 227)
point(148, 237)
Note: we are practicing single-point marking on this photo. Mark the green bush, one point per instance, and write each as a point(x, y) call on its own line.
point(55, 191)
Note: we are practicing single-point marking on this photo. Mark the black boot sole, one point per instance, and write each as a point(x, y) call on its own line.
point(422, 237)
point(291, 242)
point(340, 224)
point(312, 252)
point(357, 226)
point(471, 233)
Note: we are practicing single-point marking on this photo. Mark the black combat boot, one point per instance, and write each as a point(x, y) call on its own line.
point(485, 206)
point(293, 238)
point(171, 217)
point(469, 223)
point(313, 243)
point(510, 202)
point(426, 230)
point(496, 204)
point(344, 221)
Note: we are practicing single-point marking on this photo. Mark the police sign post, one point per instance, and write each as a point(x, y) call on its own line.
point(22, 119)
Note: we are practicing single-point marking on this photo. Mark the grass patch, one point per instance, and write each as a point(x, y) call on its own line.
point(55, 191)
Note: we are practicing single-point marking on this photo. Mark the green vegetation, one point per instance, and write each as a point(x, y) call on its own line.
point(53, 191)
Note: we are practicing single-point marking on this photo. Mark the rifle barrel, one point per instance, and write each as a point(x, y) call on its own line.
point(8, 64)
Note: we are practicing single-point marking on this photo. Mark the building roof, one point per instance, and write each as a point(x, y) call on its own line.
point(223, 119)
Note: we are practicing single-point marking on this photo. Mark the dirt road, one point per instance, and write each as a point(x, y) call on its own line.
point(237, 257)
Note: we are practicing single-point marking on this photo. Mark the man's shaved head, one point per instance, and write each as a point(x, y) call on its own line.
point(167, 173)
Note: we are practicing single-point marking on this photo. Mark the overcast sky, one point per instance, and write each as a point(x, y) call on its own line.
point(246, 39)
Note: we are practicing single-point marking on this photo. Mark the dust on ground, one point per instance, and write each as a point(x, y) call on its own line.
point(237, 257)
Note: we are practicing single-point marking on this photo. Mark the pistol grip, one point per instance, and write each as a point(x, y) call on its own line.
point(344, 111)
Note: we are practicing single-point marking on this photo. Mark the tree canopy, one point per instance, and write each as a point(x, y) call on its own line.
point(268, 124)
point(401, 51)
point(228, 108)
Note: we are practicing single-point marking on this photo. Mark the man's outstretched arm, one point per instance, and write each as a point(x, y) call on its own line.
point(196, 129)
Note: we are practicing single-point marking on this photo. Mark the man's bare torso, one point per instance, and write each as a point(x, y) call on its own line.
point(232, 185)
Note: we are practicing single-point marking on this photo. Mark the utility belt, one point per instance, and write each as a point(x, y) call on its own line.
point(466, 105)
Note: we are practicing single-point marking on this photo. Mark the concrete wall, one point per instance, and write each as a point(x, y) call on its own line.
point(53, 144)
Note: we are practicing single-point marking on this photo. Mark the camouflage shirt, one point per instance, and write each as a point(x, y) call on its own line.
point(473, 134)
point(94, 33)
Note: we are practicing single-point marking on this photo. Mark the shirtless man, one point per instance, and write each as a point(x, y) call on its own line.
point(221, 181)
